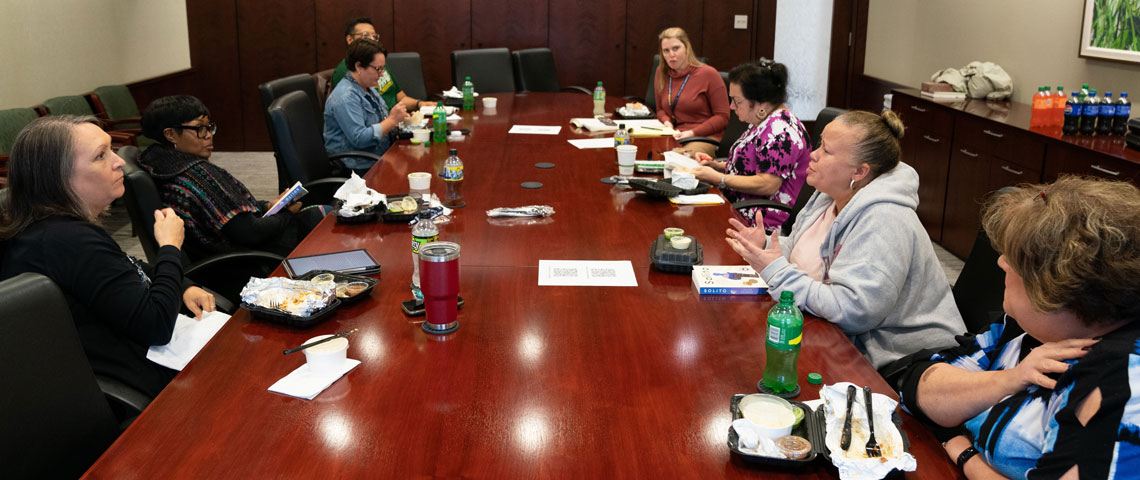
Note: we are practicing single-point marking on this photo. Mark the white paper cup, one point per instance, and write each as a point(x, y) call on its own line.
point(490, 102)
point(625, 170)
point(420, 135)
point(327, 357)
point(419, 181)
point(626, 156)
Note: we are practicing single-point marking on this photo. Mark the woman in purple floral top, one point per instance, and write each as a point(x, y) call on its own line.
point(769, 161)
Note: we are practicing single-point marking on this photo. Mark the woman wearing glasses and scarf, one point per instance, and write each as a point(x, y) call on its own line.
point(219, 212)
point(770, 159)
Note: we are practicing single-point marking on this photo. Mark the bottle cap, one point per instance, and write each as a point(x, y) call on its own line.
point(787, 296)
point(454, 151)
point(599, 83)
point(468, 78)
point(815, 378)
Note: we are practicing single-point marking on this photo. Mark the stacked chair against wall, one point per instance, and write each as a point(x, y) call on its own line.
point(301, 147)
point(77, 105)
point(489, 69)
point(825, 117)
point(56, 421)
point(225, 274)
point(408, 71)
point(535, 72)
point(12, 121)
point(274, 89)
point(116, 107)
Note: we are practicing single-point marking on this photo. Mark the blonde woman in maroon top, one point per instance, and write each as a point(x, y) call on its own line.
point(690, 95)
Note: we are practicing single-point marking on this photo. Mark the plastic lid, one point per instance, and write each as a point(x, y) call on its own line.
point(1059, 87)
point(815, 378)
point(1075, 94)
point(1107, 94)
point(1092, 91)
point(787, 296)
point(1124, 94)
point(1085, 86)
point(454, 151)
point(599, 82)
point(468, 78)
point(621, 126)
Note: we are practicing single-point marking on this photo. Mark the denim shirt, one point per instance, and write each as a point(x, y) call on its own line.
point(352, 122)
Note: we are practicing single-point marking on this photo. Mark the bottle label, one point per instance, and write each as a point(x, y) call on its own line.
point(599, 95)
point(787, 338)
point(452, 173)
point(1108, 109)
point(419, 241)
point(1123, 110)
point(1092, 110)
point(1073, 110)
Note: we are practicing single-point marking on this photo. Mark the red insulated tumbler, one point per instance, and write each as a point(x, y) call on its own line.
point(439, 282)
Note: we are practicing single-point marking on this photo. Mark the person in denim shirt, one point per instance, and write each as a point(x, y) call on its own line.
point(356, 118)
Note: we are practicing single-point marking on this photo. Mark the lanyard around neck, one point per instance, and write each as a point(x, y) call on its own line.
point(671, 100)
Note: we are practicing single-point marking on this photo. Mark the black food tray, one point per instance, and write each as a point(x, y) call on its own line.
point(810, 428)
point(664, 189)
point(277, 316)
point(345, 278)
point(389, 217)
point(669, 259)
point(368, 216)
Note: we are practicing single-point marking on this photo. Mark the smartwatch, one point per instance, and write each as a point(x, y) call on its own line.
point(966, 455)
point(722, 186)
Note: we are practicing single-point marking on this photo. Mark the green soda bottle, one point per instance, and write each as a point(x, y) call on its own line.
point(439, 123)
point(468, 95)
point(785, 331)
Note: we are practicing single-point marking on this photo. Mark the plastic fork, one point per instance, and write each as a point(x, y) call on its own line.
point(873, 449)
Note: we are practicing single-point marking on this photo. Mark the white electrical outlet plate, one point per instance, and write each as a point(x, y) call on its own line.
point(740, 22)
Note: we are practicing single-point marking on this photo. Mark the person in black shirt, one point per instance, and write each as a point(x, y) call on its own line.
point(62, 176)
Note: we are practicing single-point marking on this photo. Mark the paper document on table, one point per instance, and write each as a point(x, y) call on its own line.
point(703, 199)
point(593, 125)
point(536, 129)
point(592, 142)
point(190, 335)
point(586, 273)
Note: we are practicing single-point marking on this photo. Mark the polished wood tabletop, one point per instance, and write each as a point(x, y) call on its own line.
point(539, 381)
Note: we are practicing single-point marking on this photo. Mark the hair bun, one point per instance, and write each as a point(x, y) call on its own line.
point(893, 123)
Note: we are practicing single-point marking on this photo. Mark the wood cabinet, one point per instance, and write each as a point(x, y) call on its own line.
point(965, 151)
point(332, 15)
point(514, 25)
point(587, 38)
point(647, 18)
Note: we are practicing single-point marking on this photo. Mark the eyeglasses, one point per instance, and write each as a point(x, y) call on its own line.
point(379, 69)
point(370, 36)
point(200, 130)
point(737, 102)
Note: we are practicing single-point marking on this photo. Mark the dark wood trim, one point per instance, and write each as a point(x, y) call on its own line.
point(841, 59)
point(162, 78)
point(765, 45)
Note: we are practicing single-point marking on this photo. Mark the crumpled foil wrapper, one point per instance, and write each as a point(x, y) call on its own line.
point(301, 298)
point(527, 211)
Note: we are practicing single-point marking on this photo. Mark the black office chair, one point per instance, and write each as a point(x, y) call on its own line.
point(223, 274)
point(302, 148)
point(489, 69)
point(408, 71)
point(535, 72)
point(980, 289)
point(55, 422)
point(274, 89)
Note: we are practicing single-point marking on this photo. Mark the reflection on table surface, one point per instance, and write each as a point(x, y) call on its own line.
point(538, 382)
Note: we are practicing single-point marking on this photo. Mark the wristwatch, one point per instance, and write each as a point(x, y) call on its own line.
point(966, 455)
point(721, 185)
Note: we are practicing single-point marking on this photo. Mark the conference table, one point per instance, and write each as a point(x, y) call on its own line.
point(538, 381)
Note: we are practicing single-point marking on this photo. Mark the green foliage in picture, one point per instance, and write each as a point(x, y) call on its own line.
point(1116, 24)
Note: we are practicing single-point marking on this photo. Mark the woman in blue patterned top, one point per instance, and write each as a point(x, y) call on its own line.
point(1052, 389)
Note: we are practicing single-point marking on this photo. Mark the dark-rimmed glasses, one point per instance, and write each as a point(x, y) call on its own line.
point(200, 130)
point(370, 36)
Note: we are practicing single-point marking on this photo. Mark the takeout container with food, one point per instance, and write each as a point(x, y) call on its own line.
point(663, 189)
point(822, 426)
point(400, 208)
point(297, 303)
point(349, 289)
point(668, 258)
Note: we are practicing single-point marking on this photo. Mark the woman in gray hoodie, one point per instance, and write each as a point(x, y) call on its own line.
point(857, 254)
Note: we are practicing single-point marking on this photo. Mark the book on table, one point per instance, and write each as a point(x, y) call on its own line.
point(944, 96)
point(728, 280)
point(290, 195)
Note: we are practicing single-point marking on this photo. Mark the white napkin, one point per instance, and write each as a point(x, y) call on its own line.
point(428, 111)
point(357, 196)
point(703, 199)
point(753, 441)
point(683, 179)
point(854, 464)
point(306, 384)
point(455, 92)
point(675, 160)
point(454, 118)
point(190, 335)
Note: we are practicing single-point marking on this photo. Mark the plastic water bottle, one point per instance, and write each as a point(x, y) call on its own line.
point(453, 178)
point(1037, 116)
point(1073, 111)
point(439, 123)
point(621, 136)
point(1107, 115)
point(599, 100)
point(782, 348)
point(423, 232)
point(1123, 112)
point(1058, 115)
point(468, 95)
point(1089, 113)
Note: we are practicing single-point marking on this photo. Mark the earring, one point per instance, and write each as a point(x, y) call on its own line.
point(852, 184)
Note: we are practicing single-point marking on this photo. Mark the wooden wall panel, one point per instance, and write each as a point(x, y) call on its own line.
point(725, 46)
point(275, 39)
point(642, 31)
point(765, 29)
point(434, 29)
point(588, 41)
point(331, 17)
point(511, 24)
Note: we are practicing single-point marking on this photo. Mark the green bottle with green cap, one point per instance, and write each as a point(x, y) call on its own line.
point(782, 348)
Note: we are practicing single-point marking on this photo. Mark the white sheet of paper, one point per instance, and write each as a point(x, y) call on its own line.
point(190, 335)
point(703, 199)
point(592, 142)
point(306, 384)
point(536, 129)
point(586, 273)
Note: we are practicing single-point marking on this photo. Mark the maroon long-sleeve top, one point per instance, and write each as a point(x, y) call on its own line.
point(703, 103)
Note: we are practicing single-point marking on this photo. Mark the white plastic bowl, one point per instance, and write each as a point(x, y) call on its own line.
point(772, 415)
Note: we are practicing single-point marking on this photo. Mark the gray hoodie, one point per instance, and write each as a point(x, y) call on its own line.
point(883, 285)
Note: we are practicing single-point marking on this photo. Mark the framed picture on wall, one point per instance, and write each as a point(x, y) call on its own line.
point(1111, 30)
